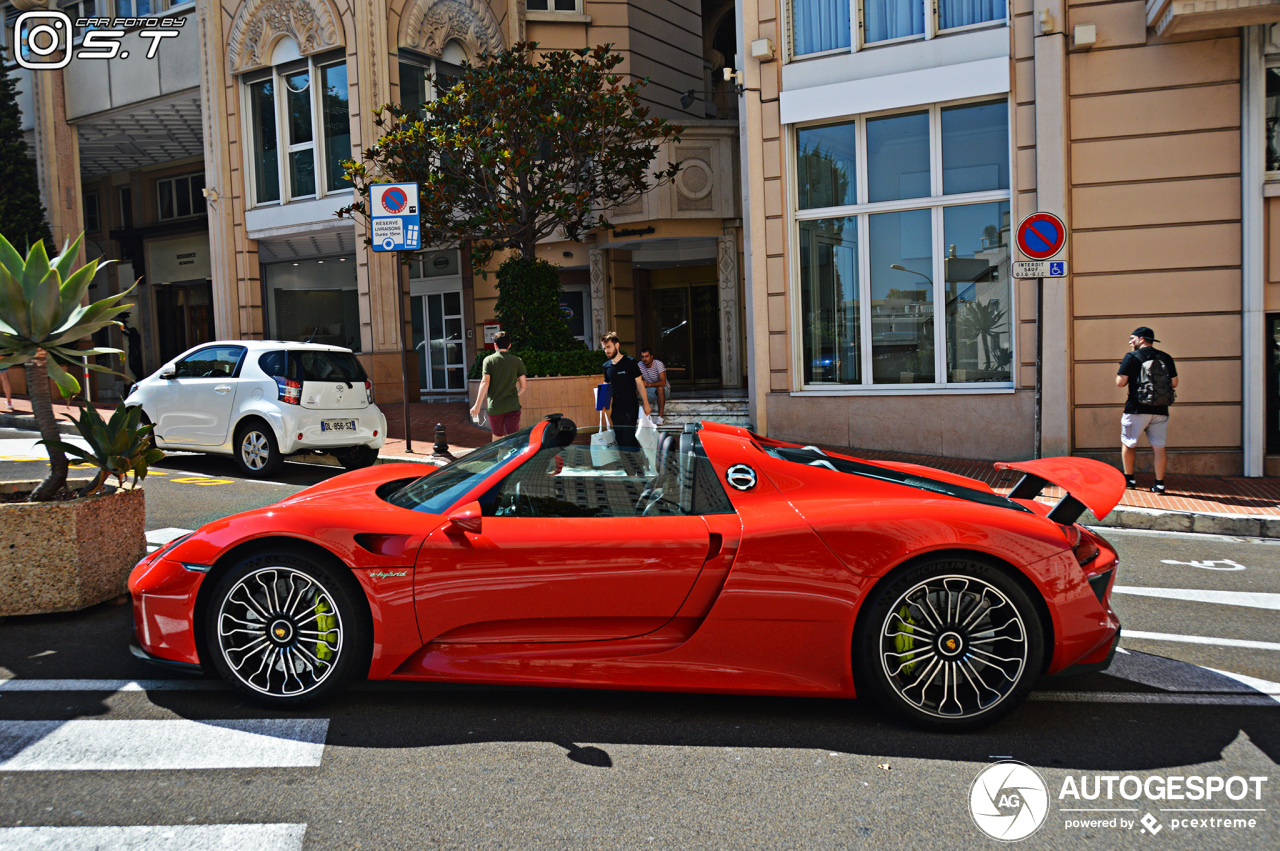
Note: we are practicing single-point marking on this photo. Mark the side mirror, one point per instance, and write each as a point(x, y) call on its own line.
point(465, 519)
point(167, 373)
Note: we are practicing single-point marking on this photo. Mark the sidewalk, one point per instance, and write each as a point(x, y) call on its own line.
point(1221, 505)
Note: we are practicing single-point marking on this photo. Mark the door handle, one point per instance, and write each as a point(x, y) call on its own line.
point(222, 388)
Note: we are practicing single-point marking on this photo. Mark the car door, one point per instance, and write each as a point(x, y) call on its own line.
point(564, 552)
point(194, 407)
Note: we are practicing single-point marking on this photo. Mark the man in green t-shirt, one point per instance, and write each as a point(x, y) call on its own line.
point(503, 383)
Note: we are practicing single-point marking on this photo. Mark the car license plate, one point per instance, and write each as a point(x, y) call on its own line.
point(337, 425)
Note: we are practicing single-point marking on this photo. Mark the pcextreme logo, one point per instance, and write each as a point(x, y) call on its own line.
point(1009, 801)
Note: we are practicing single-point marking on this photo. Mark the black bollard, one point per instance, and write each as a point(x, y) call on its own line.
point(441, 447)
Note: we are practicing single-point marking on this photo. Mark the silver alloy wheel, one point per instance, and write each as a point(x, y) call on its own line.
point(280, 632)
point(255, 450)
point(953, 646)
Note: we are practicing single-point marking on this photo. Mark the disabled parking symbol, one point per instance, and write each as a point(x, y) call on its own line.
point(1057, 270)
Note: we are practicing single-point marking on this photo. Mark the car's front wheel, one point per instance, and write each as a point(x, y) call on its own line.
point(286, 629)
point(256, 450)
point(950, 644)
point(357, 457)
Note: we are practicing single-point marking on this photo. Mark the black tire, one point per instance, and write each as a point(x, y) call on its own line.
point(357, 457)
point(287, 629)
point(949, 644)
point(255, 449)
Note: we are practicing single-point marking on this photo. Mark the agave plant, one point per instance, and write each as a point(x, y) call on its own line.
point(42, 318)
point(117, 447)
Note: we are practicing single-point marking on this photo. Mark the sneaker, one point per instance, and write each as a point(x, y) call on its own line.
point(1158, 487)
point(1130, 482)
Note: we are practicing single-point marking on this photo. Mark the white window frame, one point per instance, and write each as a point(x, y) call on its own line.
point(857, 39)
point(315, 66)
point(862, 210)
point(173, 183)
point(551, 10)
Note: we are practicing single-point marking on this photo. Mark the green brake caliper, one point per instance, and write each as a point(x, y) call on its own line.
point(327, 624)
point(904, 640)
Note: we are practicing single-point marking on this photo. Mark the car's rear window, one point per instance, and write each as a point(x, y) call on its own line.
point(312, 365)
point(817, 458)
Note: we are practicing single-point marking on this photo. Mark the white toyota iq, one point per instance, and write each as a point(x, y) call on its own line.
point(260, 400)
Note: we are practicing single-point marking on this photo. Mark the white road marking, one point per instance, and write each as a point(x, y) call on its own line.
point(1201, 639)
point(1108, 531)
point(1249, 599)
point(1208, 565)
point(85, 745)
point(185, 837)
point(1263, 686)
point(157, 538)
point(15, 685)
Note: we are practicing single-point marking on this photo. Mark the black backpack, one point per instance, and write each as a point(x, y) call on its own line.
point(1155, 384)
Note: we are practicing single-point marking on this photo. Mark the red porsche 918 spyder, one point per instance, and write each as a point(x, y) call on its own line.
point(717, 561)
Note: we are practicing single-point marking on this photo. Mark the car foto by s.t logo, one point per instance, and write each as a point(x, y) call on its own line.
point(1009, 801)
point(45, 37)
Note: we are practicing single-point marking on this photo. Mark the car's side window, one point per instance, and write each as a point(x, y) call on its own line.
point(564, 482)
point(274, 364)
point(215, 362)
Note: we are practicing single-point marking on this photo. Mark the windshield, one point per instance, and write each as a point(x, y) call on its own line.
point(434, 493)
point(817, 458)
point(320, 365)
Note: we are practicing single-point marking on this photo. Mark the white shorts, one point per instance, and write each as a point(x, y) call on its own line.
point(1132, 425)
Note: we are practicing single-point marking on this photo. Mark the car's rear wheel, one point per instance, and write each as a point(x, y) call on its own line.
point(357, 457)
point(256, 450)
point(950, 644)
point(286, 629)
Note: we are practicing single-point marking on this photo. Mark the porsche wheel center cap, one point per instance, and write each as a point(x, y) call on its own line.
point(280, 631)
point(951, 644)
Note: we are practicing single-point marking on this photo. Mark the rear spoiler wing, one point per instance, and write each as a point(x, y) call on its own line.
point(1089, 484)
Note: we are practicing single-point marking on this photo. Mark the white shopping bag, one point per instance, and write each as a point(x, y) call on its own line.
point(604, 444)
point(647, 437)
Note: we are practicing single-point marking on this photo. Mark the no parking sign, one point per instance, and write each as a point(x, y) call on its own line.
point(1041, 235)
point(395, 224)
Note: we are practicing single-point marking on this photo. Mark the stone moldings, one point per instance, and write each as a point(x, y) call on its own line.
point(64, 556)
point(313, 24)
point(429, 25)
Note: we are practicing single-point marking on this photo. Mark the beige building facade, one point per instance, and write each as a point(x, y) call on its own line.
point(212, 172)
point(891, 150)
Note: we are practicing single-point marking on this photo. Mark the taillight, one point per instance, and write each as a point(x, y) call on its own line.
point(368, 388)
point(1083, 547)
point(288, 391)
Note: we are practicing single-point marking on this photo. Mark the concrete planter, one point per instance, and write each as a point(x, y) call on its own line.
point(573, 396)
point(64, 556)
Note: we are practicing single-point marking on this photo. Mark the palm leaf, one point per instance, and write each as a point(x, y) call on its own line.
point(65, 381)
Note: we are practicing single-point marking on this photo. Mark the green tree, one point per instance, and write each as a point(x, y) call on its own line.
point(520, 147)
point(22, 215)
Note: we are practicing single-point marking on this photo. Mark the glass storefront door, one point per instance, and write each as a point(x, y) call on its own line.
point(686, 331)
point(438, 340)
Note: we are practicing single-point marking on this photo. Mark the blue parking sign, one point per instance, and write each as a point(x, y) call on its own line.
point(395, 223)
point(1057, 269)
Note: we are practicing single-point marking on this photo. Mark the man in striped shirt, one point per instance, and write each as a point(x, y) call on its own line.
point(654, 373)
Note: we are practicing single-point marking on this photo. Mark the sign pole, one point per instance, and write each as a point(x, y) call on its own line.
point(402, 291)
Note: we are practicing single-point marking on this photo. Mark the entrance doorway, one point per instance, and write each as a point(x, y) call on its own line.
point(1273, 384)
point(685, 324)
point(186, 316)
point(438, 325)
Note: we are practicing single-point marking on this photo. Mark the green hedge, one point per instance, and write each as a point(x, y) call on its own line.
point(582, 361)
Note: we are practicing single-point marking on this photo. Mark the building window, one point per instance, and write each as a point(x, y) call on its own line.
point(180, 197)
point(819, 26)
point(553, 5)
point(1273, 121)
point(423, 79)
point(126, 208)
point(92, 219)
point(314, 301)
point(905, 278)
point(300, 130)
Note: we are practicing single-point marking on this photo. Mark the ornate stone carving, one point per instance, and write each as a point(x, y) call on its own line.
point(727, 274)
point(597, 295)
point(313, 24)
point(429, 25)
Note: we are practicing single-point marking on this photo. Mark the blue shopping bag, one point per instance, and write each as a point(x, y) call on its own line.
point(604, 396)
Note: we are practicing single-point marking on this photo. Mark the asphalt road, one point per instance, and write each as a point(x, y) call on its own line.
point(406, 766)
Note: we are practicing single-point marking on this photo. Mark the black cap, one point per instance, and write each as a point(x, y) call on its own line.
point(1145, 332)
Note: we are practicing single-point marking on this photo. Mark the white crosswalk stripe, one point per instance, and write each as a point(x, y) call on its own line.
point(1248, 599)
point(157, 538)
point(180, 744)
point(187, 837)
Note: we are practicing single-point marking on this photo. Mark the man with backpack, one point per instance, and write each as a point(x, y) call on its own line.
point(1151, 377)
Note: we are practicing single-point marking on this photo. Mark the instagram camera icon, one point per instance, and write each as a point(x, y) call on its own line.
point(42, 34)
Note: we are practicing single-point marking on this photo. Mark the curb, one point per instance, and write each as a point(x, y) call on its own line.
point(1153, 519)
point(27, 422)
